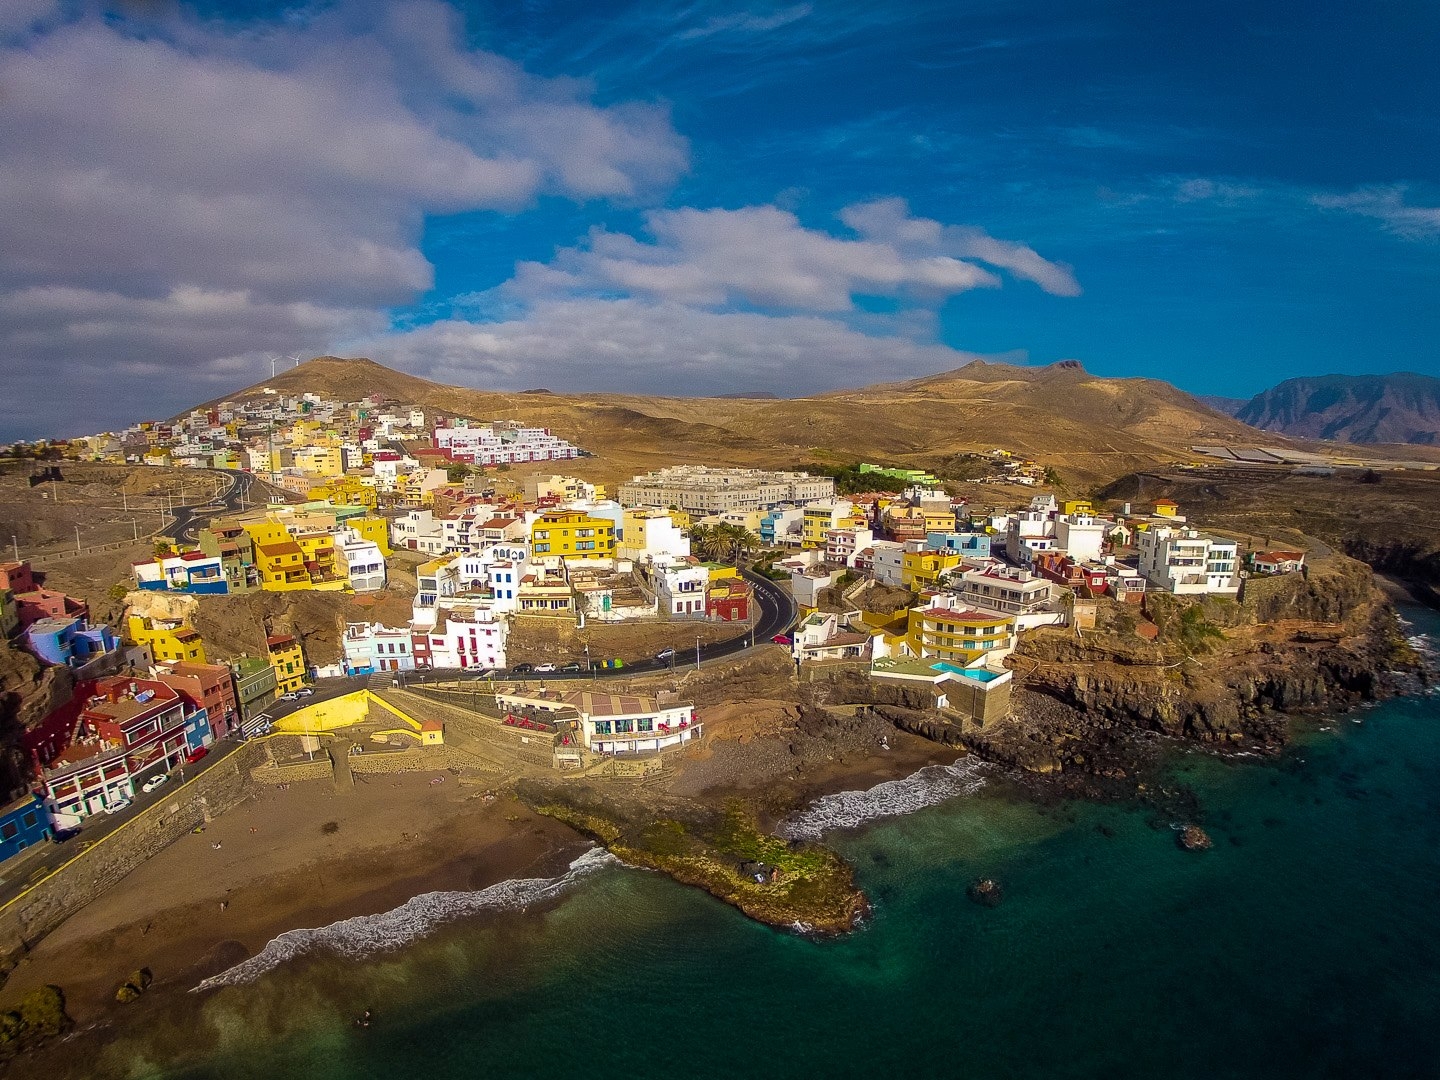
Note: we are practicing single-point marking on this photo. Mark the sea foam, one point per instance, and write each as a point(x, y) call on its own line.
point(365, 935)
point(848, 809)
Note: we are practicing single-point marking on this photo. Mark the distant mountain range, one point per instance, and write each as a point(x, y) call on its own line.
point(1399, 408)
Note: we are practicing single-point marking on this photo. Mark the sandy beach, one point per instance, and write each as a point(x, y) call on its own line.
point(214, 898)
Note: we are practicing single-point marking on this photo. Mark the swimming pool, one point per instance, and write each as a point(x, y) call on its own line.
point(978, 674)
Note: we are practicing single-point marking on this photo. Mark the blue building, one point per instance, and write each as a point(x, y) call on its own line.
point(23, 823)
point(974, 544)
point(197, 730)
point(69, 640)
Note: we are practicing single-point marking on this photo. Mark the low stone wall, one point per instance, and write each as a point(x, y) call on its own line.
point(420, 759)
point(95, 868)
point(272, 773)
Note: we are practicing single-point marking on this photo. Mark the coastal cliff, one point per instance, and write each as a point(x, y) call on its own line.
point(1218, 671)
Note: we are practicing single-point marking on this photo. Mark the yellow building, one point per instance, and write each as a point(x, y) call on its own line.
point(167, 640)
point(720, 572)
point(347, 491)
point(961, 635)
point(374, 529)
point(282, 567)
point(288, 661)
point(922, 569)
point(1077, 506)
point(1166, 508)
point(572, 534)
point(325, 461)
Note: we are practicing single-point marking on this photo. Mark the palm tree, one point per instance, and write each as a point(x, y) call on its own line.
point(739, 540)
point(707, 542)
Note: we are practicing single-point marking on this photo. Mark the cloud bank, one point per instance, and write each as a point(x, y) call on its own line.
point(184, 196)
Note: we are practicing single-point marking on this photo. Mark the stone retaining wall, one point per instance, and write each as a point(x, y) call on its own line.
point(93, 869)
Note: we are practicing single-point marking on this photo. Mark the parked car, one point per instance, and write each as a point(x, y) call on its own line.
point(116, 807)
point(304, 691)
point(665, 655)
point(153, 783)
point(541, 668)
point(196, 754)
point(574, 665)
point(291, 696)
point(522, 669)
point(782, 639)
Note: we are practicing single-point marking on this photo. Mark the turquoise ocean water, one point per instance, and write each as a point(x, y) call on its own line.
point(1305, 944)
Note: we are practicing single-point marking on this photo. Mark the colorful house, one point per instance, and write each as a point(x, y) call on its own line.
point(945, 630)
point(69, 641)
point(127, 728)
point(572, 534)
point(167, 639)
point(287, 660)
point(920, 570)
point(23, 824)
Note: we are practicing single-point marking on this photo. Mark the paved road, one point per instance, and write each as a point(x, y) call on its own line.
point(777, 616)
point(185, 521)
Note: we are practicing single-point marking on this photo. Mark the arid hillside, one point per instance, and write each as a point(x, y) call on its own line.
point(1090, 428)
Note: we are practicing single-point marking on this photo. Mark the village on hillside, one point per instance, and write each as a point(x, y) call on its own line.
point(910, 584)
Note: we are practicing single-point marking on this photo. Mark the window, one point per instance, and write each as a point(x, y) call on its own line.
point(647, 724)
point(10, 830)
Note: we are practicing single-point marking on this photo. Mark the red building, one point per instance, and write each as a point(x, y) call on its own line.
point(728, 600)
point(204, 686)
point(125, 728)
point(17, 577)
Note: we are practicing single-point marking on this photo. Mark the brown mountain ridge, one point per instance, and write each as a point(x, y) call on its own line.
point(1087, 426)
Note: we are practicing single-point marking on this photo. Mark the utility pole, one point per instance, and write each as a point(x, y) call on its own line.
point(697, 652)
point(136, 528)
point(77, 539)
point(16, 545)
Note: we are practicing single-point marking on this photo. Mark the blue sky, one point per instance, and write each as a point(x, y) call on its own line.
point(710, 197)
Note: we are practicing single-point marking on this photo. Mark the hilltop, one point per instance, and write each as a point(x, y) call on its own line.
point(1088, 426)
point(1400, 408)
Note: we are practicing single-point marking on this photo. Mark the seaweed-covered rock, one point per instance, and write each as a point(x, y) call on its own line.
point(1194, 838)
point(986, 892)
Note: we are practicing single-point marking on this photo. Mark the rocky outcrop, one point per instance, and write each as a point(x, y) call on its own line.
point(1082, 699)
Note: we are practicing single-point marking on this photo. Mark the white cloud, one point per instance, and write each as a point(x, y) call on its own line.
point(290, 164)
point(762, 256)
point(1387, 205)
point(721, 300)
point(746, 22)
point(889, 221)
point(655, 347)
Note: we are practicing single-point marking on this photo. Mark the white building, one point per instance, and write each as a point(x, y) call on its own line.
point(806, 584)
point(649, 533)
point(1031, 599)
point(1187, 562)
point(889, 556)
point(700, 490)
point(679, 587)
point(501, 443)
point(364, 564)
point(1079, 536)
point(842, 545)
point(417, 530)
point(371, 647)
point(461, 634)
point(610, 723)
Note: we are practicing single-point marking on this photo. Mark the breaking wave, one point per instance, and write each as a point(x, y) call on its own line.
point(365, 935)
point(848, 809)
